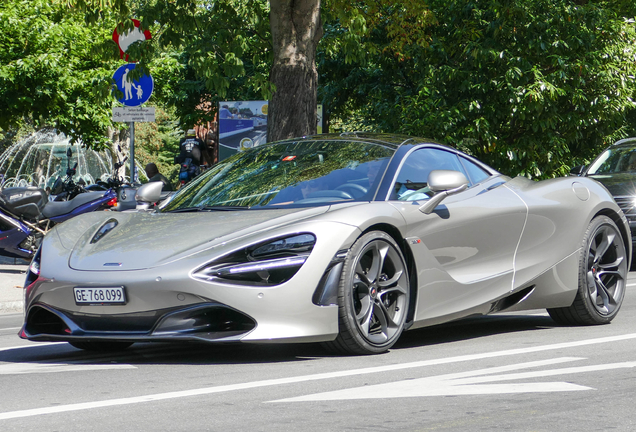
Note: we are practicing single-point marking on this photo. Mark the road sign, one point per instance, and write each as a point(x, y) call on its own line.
point(126, 39)
point(135, 92)
point(133, 114)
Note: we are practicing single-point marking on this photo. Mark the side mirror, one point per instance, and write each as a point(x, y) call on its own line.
point(444, 183)
point(150, 192)
point(577, 170)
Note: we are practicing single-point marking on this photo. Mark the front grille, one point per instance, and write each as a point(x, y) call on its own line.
point(628, 205)
point(209, 321)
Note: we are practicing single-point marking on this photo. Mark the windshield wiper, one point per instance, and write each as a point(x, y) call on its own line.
point(208, 208)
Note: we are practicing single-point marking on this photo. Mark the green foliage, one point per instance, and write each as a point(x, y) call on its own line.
point(201, 52)
point(57, 59)
point(158, 142)
point(530, 87)
point(49, 74)
point(403, 25)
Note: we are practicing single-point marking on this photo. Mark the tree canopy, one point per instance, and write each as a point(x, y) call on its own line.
point(530, 87)
point(49, 73)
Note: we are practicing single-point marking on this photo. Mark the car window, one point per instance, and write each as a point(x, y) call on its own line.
point(288, 173)
point(476, 174)
point(614, 160)
point(412, 180)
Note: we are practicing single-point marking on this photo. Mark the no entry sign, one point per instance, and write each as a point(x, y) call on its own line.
point(127, 38)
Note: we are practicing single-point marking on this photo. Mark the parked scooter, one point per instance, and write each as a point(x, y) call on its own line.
point(26, 215)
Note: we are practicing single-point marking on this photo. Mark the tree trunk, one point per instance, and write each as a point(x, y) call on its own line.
point(296, 30)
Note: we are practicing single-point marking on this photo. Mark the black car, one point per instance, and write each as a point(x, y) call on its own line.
point(615, 168)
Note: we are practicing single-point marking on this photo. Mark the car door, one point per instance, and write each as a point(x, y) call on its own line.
point(465, 248)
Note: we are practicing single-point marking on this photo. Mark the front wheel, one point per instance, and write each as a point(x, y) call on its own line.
point(603, 268)
point(373, 296)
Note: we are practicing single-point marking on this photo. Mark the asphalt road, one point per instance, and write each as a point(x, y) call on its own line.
point(519, 372)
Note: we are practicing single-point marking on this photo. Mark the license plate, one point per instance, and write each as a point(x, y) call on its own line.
point(98, 296)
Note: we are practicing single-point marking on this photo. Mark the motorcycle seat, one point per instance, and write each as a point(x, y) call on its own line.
point(27, 202)
point(57, 208)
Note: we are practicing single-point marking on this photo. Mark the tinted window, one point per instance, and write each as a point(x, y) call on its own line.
point(614, 160)
point(476, 173)
point(412, 180)
point(289, 173)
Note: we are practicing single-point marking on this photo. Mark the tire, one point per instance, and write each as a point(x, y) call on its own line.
point(102, 346)
point(373, 296)
point(603, 268)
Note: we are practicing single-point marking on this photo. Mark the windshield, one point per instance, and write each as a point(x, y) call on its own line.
point(289, 173)
point(615, 160)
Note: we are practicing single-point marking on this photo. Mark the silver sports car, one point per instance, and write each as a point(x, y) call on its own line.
point(344, 239)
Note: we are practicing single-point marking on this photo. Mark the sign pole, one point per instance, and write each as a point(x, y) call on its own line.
point(132, 153)
point(142, 88)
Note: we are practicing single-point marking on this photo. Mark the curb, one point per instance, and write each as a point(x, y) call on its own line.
point(11, 303)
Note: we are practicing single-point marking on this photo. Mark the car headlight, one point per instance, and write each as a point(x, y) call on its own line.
point(270, 263)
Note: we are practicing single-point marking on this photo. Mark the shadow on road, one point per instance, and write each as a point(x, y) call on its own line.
point(472, 328)
point(211, 354)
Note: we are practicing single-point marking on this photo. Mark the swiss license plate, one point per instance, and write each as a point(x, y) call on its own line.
point(98, 296)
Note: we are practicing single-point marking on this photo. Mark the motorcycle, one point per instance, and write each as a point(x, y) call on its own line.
point(128, 196)
point(124, 191)
point(66, 189)
point(26, 214)
point(188, 171)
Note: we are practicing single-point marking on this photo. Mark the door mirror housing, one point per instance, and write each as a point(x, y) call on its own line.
point(150, 192)
point(577, 170)
point(445, 180)
point(444, 183)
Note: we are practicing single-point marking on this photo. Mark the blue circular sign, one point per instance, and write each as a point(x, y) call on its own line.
point(136, 92)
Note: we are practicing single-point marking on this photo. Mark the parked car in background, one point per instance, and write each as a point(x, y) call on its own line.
point(615, 168)
point(344, 239)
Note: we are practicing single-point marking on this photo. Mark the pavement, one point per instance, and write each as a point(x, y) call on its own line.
point(12, 275)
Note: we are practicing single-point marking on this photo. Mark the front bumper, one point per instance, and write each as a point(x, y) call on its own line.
point(209, 322)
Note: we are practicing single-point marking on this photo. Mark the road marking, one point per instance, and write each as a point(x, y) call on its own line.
point(467, 383)
point(29, 368)
point(10, 328)
point(306, 378)
point(36, 345)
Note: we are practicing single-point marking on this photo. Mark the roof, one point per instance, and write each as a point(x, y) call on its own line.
point(628, 142)
point(390, 140)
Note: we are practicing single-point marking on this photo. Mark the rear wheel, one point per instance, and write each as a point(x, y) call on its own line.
point(603, 268)
point(103, 346)
point(373, 296)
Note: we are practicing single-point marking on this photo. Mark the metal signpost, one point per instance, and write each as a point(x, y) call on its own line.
point(135, 92)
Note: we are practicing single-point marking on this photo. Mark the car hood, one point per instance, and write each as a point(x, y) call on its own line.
point(146, 240)
point(618, 184)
